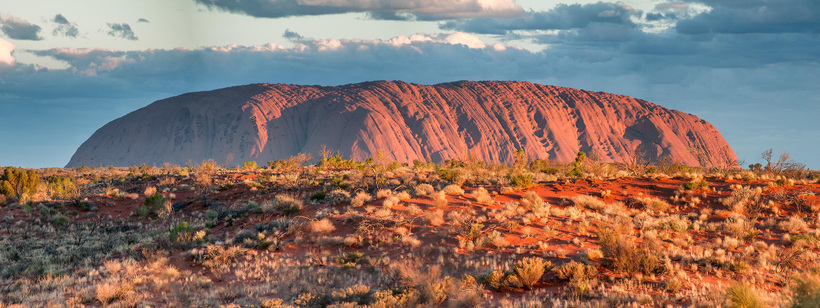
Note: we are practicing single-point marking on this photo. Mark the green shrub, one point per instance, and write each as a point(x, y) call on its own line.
point(695, 185)
point(155, 205)
point(60, 220)
point(143, 211)
point(63, 188)
point(522, 180)
point(449, 175)
point(577, 165)
point(251, 165)
point(180, 231)
point(540, 165)
point(318, 196)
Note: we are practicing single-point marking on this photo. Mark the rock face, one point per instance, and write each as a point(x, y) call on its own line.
point(490, 119)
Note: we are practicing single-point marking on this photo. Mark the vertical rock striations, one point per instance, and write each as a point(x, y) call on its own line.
point(491, 119)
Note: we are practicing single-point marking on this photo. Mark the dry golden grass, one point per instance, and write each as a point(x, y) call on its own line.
point(294, 236)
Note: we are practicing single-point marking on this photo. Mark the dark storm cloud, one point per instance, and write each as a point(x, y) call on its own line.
point(755, 16)
point(122, 30)
point(19, 29)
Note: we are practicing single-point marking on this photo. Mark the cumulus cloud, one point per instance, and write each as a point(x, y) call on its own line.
point(6, 59)
point(562, 17)
point(755, 16)
point(387, 9)
point(19, 29)
point(716, 79)
point(122, 30)
point(64, 27)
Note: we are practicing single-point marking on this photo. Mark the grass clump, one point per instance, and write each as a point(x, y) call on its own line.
point(806, 289)
point(590, 202)
point(288, 204)
point(625, 256)
point(581, 276)
point(743, 295)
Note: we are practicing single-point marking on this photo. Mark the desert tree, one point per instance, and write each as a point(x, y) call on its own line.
point(17, 183)
point(784, 165)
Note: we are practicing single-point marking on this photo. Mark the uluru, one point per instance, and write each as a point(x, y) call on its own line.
point(489, 119)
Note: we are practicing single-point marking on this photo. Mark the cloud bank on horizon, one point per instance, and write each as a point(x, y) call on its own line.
point(749, 67)
point(385, 9)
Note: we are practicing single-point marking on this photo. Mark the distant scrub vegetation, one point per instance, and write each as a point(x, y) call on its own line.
point(336, 232)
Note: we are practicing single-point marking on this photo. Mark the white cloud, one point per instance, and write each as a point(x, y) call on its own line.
point(6, 58)
point(385, 9)
point(724, 79)
point(469, 40)
point(458, 38)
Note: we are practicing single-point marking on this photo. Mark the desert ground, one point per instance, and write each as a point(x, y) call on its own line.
point(463, 233)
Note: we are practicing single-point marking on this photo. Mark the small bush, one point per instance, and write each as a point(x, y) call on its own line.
point(155, 205)
point(652, 203)
point(577, 270)
point(528, 271)
point(318, 196)
point(360, 199)
point(496, 280)
point(453, 189)
point(742, 295)
point(590, 202)
point(522, 180)
point(320, 226)
point(251, 165)
point(64, 189)
point(181, 232)
point(60, 220)
point(580, 276)
point(807, 290)
point(338, 196)
point(424, 189)
point(482, 196)
point(288, 204)
point(624, 256)
point(449, 175)
point(695, 185)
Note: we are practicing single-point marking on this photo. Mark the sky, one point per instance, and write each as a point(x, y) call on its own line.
point(749, 67)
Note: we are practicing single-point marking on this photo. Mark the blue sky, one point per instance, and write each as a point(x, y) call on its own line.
point(750, 67)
